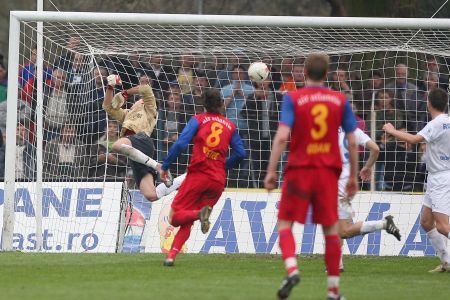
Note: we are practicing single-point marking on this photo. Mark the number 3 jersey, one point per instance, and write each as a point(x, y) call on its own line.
point(212, 135)
point(314, 115)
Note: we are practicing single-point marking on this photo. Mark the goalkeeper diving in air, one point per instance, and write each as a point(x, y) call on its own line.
point(135, 141)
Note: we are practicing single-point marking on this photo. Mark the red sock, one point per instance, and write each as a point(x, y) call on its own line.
point(179, 240)
point(287, 246)
point(332, 254)
point(182, 217)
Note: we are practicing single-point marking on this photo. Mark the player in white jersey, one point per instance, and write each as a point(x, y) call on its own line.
point(347, 228)
point(436, 203)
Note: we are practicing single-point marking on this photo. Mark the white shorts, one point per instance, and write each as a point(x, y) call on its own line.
point(345, 210)
point(437, 196)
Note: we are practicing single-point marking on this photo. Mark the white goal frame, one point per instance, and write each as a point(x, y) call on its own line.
point(162, 19)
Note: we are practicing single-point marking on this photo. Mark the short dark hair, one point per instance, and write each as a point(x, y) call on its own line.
point(376, 73)
point(438, 99)
point(212, 101)
point(316, 66)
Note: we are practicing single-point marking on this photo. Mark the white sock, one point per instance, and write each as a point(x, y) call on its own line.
point(162, 190)
point(333, 286)
point(371, 226)
point(438, 242)
point(137, 156)
point(291, 264)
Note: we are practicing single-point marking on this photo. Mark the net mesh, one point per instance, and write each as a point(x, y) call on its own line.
point(385, 73)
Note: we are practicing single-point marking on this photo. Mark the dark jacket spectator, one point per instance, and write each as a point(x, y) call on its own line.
point(65, 158)
point(161, 75)
point(406, 98)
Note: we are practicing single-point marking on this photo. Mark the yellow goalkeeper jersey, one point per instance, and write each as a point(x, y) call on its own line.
point(141, 118)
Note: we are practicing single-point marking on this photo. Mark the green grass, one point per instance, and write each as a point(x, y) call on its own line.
point(141, 276)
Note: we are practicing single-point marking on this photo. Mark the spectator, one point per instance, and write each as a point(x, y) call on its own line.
point(274, 73)
point(77, 73)
point(185, 73)
point(134, 69)
point(93, 120)
point(65, 157)
point(368, 96)
point(420, 175)
point(406, 98)
point(160, 75)
point(400, 166)
point(56, 104)
point(3, 83)
point(25, 160)
point(2, 157)
point(385, 112)
point(27, 76)
point(339, 82)
point(225, 76)
point(199, 86)
point(102, 160)
point(287, 80)
point(234, 96)
point(260, 110)
point(67, 57)
point(298, 74)
point(433, 67)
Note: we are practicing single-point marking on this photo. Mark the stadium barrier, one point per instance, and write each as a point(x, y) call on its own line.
point(244, 221)
point(84, 218)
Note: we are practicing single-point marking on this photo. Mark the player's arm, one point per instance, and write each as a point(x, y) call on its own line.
point(366, 171)
point(402, 135)
point(349, 126)
point(280, 141)
point(238, 152)
point(112, 103)
point(179, 146)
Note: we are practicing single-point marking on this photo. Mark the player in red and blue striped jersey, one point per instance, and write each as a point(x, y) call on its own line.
point(311, 117)
point(212, 134)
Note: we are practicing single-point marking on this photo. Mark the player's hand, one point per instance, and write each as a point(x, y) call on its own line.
point(389, 128)
point(113, 80)
point(351, 188)
point(270, 182)
point(365, 173)
point(163, 175)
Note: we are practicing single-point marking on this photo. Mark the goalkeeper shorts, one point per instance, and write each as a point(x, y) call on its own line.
point(143, 143)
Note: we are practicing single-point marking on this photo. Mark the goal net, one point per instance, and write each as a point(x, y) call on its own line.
point(385, 67)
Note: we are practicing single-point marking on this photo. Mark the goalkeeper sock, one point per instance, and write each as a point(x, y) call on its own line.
point(371, 226)
point(162, 190)
point(438, 242)
point(332, 257)
point(180, 238)
point(287, 246)
point(137, 156)
point(183, 217)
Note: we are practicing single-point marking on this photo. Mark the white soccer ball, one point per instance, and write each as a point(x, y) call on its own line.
point(258, 71)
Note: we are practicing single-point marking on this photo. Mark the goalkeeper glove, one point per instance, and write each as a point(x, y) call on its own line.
point(113, 80)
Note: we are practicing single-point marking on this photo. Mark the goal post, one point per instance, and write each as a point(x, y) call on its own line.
point(125, 44)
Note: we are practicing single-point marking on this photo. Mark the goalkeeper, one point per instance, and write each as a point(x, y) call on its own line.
point(135, 141)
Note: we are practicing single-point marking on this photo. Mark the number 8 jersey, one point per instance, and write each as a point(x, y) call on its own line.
point(212, 134)
point(314, 115)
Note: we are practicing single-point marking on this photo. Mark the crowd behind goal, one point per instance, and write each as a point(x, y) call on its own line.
point(78, 135)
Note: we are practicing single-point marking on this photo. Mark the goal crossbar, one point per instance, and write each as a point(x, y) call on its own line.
point(230, 20)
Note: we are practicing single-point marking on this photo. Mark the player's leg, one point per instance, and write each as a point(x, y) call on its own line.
point(124, 146)
point(163, 190)
point(437, 240)
point(325, 212)
point(180, 238)
point(442, 224)
point(147, 187)
point(287, 246)
point(332, 258)
point(294, 204)
point(347, 229)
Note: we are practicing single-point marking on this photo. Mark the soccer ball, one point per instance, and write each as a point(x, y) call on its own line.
point(258, 71)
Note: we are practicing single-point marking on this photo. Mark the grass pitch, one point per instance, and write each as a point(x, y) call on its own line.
point(142, 276)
